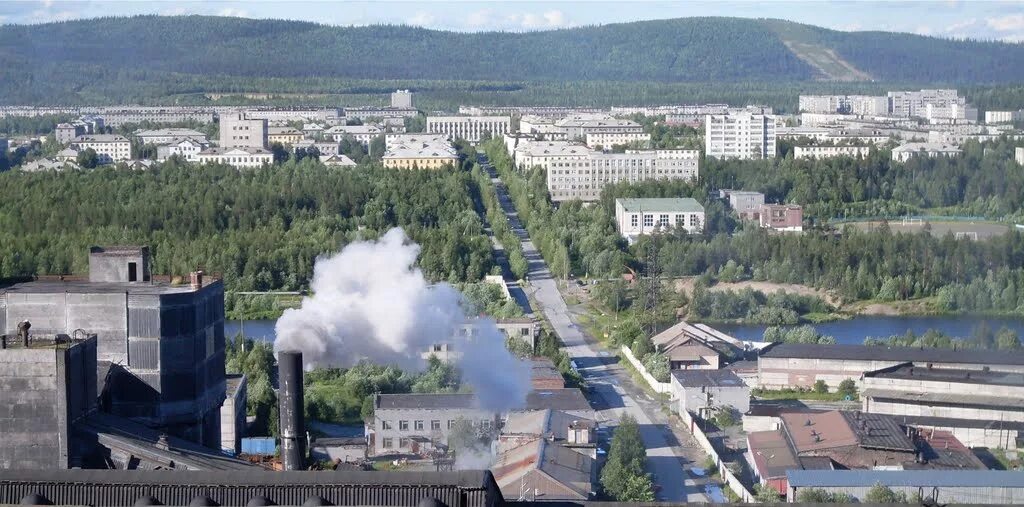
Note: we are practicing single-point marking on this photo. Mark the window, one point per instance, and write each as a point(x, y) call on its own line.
point(694, 220)
point(403, 425)
point(634, 220)
point(388, 443)
point(385, 425)
point(648, 220)
point(435, 425)
point(403, 443)
point(679, 219)
point(663, 220)
point(451, 423)
point(418, 426)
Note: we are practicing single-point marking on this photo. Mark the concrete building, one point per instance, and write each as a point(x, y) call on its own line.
point(861, 105)
point(740, 135)
point(746, 204)
point(240, 131)
point(582, 174)
point(795, 365)
point(606, 140)
point(470, 128)
point(282, 116)
point(417, 423)
point(819, 152)
point(648, 216)
point(993, 117)
point(542, 470)
point(324, 148)
point(186, 148)
point(109, 148)
point(45, 164)
point(64, 133)
point(117, 115)
point(284, 135)
point(813, 133)
point(363, 134)
point(160, 347)
point(363, 113)
point(916, 103)
point(238, 157)
point(577, 127)
point(935, 487)
point(233, 413)
point(705, 392)
point(350, 450)
point(163, 136)
point(419, 152)
point(401, 99)
point(981, 408)
point(782, 217)
point(908, 151)
point(545, 375)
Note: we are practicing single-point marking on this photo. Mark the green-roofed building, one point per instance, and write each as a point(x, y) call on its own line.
point(635, 216)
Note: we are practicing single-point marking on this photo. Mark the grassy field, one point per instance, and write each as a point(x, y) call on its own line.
point(972, 230)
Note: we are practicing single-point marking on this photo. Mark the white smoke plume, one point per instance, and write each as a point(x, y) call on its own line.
point(369, 301)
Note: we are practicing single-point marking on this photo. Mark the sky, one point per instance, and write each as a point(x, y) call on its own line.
point(980, 19)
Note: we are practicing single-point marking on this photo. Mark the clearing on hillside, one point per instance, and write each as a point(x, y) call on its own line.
point(826, 61)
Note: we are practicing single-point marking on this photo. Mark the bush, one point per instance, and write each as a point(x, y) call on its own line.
point(642, 347)
point(820, 387)
point(657, 365)
point(848, 388)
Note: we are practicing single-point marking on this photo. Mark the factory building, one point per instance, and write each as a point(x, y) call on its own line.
point(159, 346)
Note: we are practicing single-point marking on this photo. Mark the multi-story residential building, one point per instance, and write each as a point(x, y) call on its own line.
point(117, 116)
point(548, 111)
point(363, 113)
point(915, 103)
point(186, 148)
point(401, 99)
point(283, 116)
point(818, 152)
point(907, 151)
point(746, 204)
point(577, 127)
point(284, 135)
point(541, 127)
point(239, 157)
point(162, 136)
point(470, 128)
point(109, 148)
point(585, 180)
point(860, 105)
point(782, 217)
point(67, 132)
point(815, 133)
point(419, 152)
point(418, 423)
point(635, 217)
point(327, 148)
point(606, 140)
point(1003, 116)
point(740, 135)
point(363, 134)
point(239, 131)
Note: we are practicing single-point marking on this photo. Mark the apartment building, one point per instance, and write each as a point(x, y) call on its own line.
point(401, 98)
point(861, 105)
point(1019, 156)
point(67, 132)
point(907, 151)
point(746, 204)
point(915, 103)
point(109, 148)
point(606, 140)
point(363, 134)
point(578, 126)
point(470, 128)
point(419, 152)
point(284, 135)
point(283, 116)
point(239, 157)
point(161, 136)
point(992, 117)
point(240, 131)
point(819, 152)
point(186, 148)
point(541, 127)
point(363, 113)
point(117, 116)
point(739, 135)
point(635, 217)
point(417, 423)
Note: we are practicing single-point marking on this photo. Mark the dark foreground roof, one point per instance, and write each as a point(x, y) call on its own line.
point(898, 354)
point(119, 487)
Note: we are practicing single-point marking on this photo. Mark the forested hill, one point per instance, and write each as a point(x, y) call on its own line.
point(690, 49)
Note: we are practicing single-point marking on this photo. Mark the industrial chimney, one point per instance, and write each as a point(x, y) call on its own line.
point(293, 425)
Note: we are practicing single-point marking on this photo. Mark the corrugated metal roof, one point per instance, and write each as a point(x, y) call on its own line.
point(707, 378)
point(896, 354)
point(965, 399)
point(908, 478)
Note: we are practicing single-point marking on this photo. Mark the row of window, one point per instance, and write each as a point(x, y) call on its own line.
point(663, 219)
point(435, 425)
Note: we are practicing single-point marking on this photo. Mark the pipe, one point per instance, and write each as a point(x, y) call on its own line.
point(293, 425)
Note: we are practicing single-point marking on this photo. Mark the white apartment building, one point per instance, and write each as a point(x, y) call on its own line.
point(239, 157)
point(239, 131)
point(915, 103)
point(162, 136)
point(818, 152)
point(1003, 116)
point(907, 151)
point(739, 135)
point(283, 116)
point(816, 133)
point(861, 105)
point(646, 216)
point(364, 134)
point(470, 128)
point(186, 148)
point(608, 139)
point(578, 126)
point(401, 98)
point(109, 148)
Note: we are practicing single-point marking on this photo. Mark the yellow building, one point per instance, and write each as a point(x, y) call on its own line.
point(420, 155)
point(284, 135)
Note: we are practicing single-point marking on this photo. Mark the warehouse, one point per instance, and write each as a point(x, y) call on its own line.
point(941, 486)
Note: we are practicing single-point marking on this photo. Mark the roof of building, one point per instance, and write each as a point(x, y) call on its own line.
point(878, 431)
point(899, 354)
point(542, 367)
point(910, 371)
point(427, 401)
point(814, 431)
point(654, 205)
point(543, 423)
point(772, 454)
point(169, 132)
point(338, 160)
point(592, 121)
point(569, 471)
point(966, 399)
point(423, 149)
point(283, 131)
point(552, 149)
point(950, 422)
point(569, 399)
point(707, 378)
point(942, 450)
point(353, 129)
point(908, 478)
point(236, 150)
point(87, 287)
point(927, 147)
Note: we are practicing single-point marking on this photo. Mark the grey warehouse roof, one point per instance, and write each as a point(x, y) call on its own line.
point(910, 371)
point(701, 378)
point(902, 354)
point(909, 478)
point(681, 204)
point(436, 401)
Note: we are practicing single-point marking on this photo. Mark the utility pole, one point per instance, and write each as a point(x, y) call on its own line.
point(651, 285)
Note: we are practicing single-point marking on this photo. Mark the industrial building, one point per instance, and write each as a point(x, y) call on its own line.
point(635, 216)
point(546, 455)
point(705, 392)
point(419, 423)
point(740, 135)
point(685, 351)
point(939, 487)
point(159, 346)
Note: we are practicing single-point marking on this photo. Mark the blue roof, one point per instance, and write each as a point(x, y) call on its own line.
point(909, 478)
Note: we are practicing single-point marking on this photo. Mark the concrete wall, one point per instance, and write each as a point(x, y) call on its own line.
point(695, 399)
point(114, 267)
point(42, 392)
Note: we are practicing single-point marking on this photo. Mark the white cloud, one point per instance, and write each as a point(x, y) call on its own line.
point(923, 30)
point(555, 18)
point(535, 21)
point(421, 18)
point(47, 3)
point(479, 19)
point(176, 11)
point(1006, 23)
point(233, 12)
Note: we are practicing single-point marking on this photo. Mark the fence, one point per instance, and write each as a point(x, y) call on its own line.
point(730, 479)
point(659, 387)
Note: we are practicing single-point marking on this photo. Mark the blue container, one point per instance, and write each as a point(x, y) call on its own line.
point(259, 446)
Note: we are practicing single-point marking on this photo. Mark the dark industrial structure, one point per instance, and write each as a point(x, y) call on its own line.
point(292, 406)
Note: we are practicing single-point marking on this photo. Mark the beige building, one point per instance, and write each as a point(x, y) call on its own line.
point(577, 127)
point(239, 131)
point(739, 135)
point(237, 157)
point(907, 151)
point(283, 135)
point(818, 152)
point(363, 134)
point(419, 152)
point(470, 128)
point(109, 148)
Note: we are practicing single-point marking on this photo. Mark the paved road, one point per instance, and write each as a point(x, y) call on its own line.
point(612, 391)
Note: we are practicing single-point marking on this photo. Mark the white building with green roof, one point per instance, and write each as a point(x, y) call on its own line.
point(635, 216)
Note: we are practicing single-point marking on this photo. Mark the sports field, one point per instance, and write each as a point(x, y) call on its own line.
point(970, 230)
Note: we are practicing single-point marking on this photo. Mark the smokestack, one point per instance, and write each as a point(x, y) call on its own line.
point(293, 425)
point(196, 279)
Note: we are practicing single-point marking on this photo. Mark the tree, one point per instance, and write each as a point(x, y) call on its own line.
point(642, 347)
point(880, 493)
point(638, 488)
point(377, 147)
point(281, 154)
point(766, 494)
point(1007, 339)
point(463, 435)
point(87, 159)
point(817, 495)
point(623, 474)
point(848, 388)
point(820, 387)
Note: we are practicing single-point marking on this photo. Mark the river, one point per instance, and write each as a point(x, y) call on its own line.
point(852, 331)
